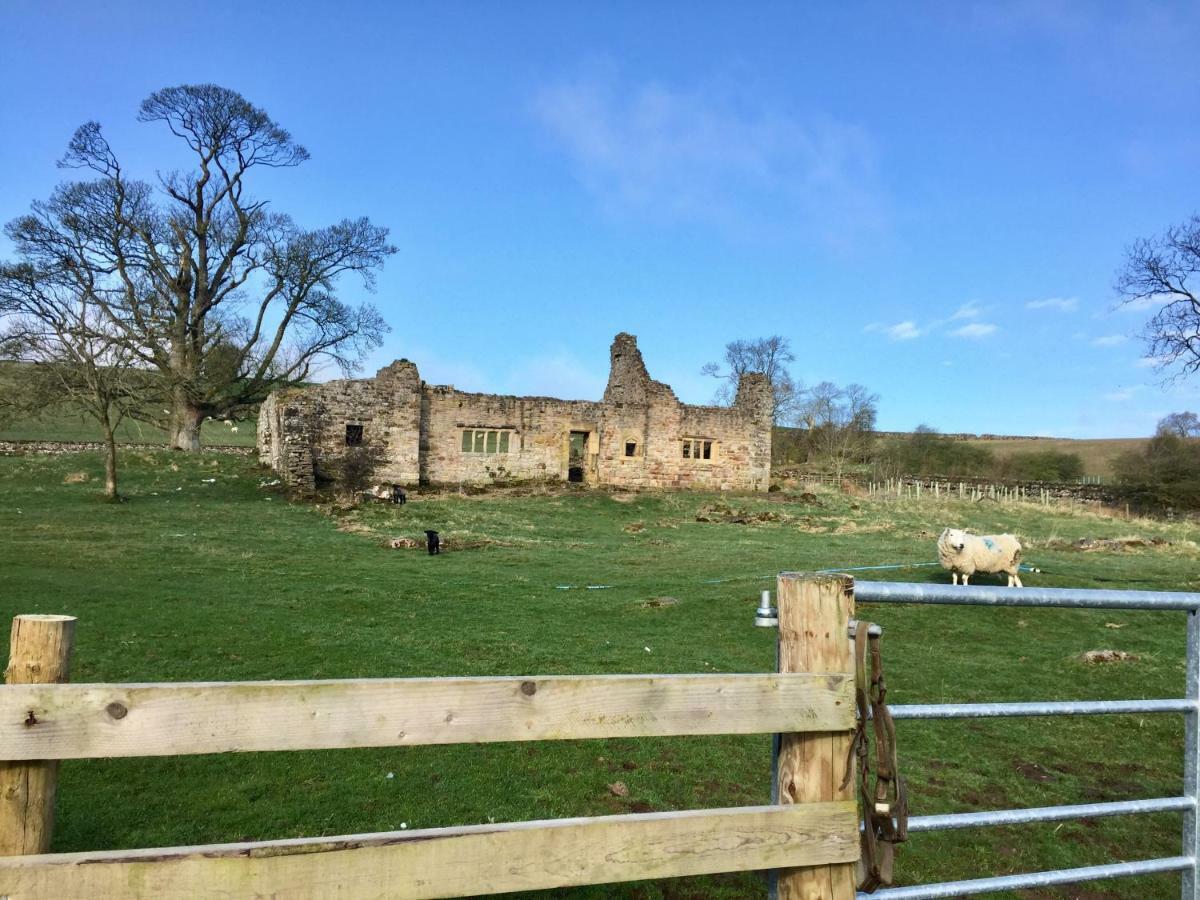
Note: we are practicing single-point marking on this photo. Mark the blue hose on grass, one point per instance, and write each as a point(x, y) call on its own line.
point(1024, 567)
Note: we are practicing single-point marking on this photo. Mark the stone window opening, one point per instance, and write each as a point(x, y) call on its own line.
point(631, 448)
point(698, 449)
point(354, 435)
point(485, 441)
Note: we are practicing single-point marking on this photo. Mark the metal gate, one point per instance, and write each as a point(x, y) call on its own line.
point(1188, 705)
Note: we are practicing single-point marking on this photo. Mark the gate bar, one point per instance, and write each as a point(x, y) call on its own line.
point(1041, 708)
point(1033, 879)
point(994, 595)
point(948, 821)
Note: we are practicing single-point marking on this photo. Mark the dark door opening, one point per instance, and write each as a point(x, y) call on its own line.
point(577, 456)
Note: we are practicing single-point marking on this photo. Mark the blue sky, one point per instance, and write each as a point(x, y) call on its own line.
point(928, 199)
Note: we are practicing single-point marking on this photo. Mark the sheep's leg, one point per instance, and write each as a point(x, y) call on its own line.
point(954, 578)
point(964, 578)
point(1015, 581)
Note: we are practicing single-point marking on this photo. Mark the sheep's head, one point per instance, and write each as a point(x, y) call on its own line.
point(954, 539)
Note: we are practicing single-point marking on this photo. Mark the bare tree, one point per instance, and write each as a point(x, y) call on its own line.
point(840, 422)
point(1163, 272)
point(769, 356)
point(67, 354)
point(1183, 424)
point(197, 279)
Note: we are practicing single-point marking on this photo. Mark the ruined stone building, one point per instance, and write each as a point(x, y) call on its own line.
point(638, 436)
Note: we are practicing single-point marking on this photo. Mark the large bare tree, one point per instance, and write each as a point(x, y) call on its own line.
point(197, 278)
point(1164, 274)
point(65, 354)
point(769, 356)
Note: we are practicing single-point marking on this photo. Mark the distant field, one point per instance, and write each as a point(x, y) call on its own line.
point(1097, 455)
point(70, 426)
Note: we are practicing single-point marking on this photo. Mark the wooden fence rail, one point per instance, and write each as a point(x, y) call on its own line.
point(77, 721)
point(811, 837)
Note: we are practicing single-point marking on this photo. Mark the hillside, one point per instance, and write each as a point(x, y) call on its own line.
point(1097, 454)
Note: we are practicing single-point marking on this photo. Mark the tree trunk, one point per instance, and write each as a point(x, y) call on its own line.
point(110, 464)
point(184, 427)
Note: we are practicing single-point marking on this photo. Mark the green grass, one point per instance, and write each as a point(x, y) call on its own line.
point(227, 580)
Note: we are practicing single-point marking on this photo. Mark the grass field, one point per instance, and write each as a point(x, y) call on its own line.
point(1097, 454)
point(192, 580)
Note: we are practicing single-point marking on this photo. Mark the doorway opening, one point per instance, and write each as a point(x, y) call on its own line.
point(577, 456)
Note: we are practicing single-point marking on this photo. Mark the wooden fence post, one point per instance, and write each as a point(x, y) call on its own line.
point(39, 653)
point(814, 622)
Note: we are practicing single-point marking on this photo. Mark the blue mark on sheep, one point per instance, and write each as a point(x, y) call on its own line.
point(989, 543)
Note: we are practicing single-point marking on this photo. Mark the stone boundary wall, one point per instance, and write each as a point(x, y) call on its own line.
point(1056, 490)
point(967, 436)
point(17, 448)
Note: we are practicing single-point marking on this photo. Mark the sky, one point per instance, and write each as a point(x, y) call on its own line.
point(929, 199)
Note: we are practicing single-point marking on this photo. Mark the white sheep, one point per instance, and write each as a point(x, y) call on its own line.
point(965, 554)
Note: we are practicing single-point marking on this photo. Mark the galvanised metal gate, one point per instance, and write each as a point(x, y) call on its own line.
point(1189, 705)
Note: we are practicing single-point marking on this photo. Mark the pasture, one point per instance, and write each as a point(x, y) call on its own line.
point(209, 572)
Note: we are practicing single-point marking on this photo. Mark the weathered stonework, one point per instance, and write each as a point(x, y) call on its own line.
point(638, 436)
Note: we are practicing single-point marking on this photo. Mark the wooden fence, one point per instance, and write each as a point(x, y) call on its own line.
point(810, 836)
point(1045, 494)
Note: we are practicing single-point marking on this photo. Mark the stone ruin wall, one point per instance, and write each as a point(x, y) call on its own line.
point(539, 442)
point(300, 427)
point(421, 426)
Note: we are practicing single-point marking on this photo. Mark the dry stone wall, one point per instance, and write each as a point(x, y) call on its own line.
point(638, 436)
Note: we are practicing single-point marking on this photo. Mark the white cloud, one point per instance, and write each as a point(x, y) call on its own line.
point(975, 330)
point(717, 156)
point(902, 331)
point(1142, 304)
point(910, 329)
point(1060, 304)
point(1109, 340)
point(1149, 362)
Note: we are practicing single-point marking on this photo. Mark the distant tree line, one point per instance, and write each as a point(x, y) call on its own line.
point(1165, 474)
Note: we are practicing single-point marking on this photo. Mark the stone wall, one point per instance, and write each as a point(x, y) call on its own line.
point(635, 437)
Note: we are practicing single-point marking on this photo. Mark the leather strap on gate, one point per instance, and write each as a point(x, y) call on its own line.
point(883, 794)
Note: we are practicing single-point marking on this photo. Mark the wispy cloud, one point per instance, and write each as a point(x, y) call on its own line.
point(1109, 340)
point(1059, 304)
point(903, 331)
point(1141, 304)
point(1123, 395)
point(975, 330)
point(717, 156)
point(910, 329)
point(1149, 362)
point(558, 374)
